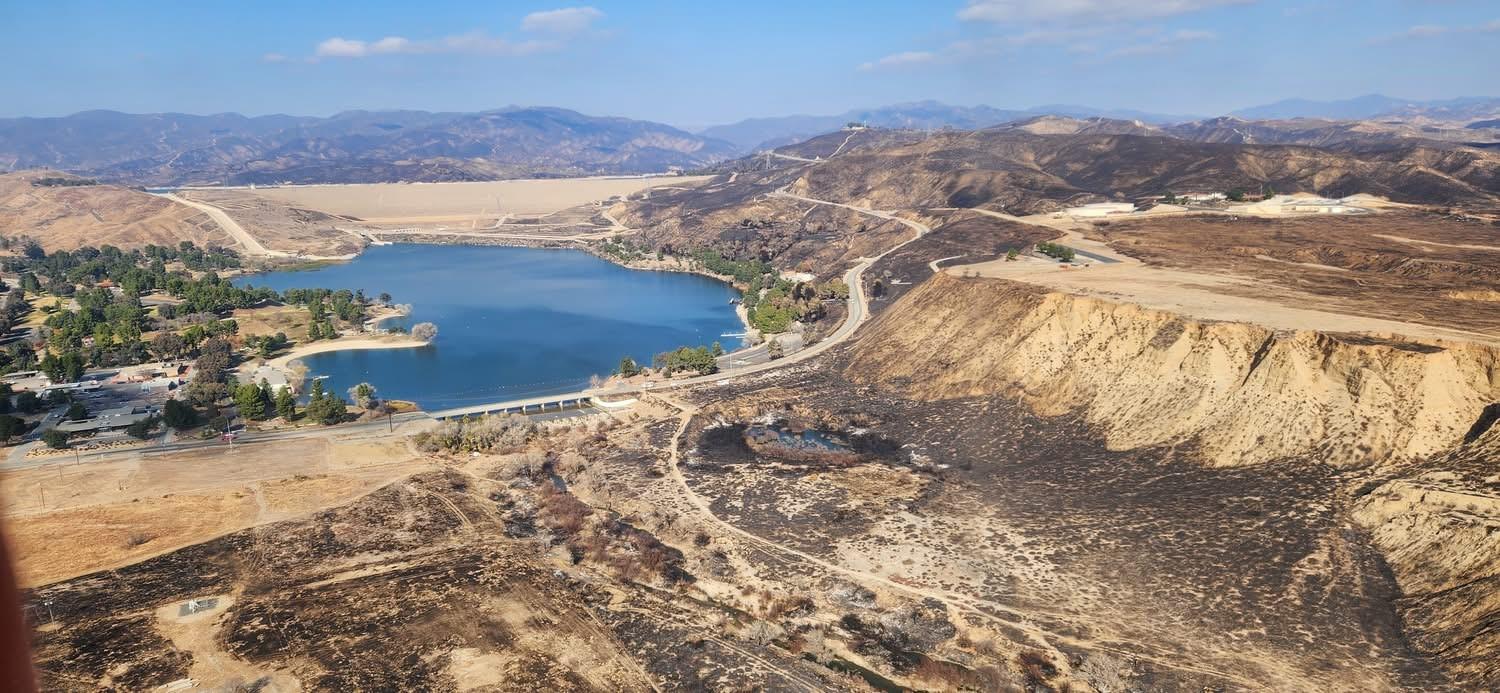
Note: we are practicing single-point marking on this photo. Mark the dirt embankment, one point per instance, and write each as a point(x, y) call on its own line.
point(1436, 524)
point(1233, 393)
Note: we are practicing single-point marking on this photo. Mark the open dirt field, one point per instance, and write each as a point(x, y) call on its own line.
point(386, 203)
point(1393, 273)
point(109, 513)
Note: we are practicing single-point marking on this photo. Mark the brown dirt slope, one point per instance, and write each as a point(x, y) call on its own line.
point(67, 217)
point(1238, 393)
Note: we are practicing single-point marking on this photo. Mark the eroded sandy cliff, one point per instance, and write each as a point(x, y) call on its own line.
point(1230, 392)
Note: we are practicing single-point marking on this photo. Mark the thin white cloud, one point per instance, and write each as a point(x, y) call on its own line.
point(474, 43)
point(898, 60)
point(1427, 31)
point(1027, 11)
point(339, 47)
point(1073, 39)
point(561, 24)
point(274, 58)
point(1164, 44)
point(568, 20)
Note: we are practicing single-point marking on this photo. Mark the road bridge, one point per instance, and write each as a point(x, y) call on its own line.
point(529, 405)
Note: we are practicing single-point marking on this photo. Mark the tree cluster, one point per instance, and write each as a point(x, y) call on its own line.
point(1054, 250)
point(772, 307)
point(325, 407)
point(700, 359)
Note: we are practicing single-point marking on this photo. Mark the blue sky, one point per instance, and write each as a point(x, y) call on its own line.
point(699, 63)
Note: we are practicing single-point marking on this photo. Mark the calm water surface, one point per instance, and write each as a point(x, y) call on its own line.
point(513, 322)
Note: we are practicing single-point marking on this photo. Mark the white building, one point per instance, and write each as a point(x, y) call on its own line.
point(273, 377)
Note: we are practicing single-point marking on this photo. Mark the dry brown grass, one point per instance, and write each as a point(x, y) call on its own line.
point(65, 543)
point(64, 218)
point(289, 320)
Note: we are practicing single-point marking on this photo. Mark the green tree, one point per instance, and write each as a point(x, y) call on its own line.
point(248, 398)
point(286, 404)
point(717, 349)
point(10, 427)
point(28, 403)
point(55, 439)
point(77, 412)
point(628, 367)
point(179, 415)
point(327, 410)
point(168, 345)
point(141, 430)
point(268, 396)
point(73, 366)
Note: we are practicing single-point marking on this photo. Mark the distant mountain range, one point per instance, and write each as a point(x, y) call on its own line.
point(351, 147)
point(166, 149)
point(1374, 106)
point(761, 133)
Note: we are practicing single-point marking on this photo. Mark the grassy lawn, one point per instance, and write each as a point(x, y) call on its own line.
point(291, 320)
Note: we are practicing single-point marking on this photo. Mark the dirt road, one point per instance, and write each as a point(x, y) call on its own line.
point(248, 242)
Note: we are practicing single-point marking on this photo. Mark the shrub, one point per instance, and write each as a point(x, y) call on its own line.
point(480, 434)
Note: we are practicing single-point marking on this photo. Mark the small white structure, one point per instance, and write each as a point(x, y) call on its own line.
point(273, 377)
point(1102, 209)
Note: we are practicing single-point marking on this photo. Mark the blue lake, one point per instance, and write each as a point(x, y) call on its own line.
point(512, 322)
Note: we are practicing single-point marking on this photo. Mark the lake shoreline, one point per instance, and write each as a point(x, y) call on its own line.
point(291, 362)
point(523, 322)
point(589, 248)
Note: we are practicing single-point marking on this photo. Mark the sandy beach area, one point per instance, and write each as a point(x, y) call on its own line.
point(288, 361)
